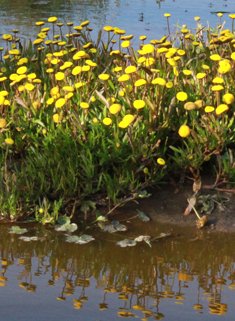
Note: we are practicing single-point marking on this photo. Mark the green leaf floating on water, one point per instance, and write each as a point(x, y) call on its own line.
point(65, 225)
point(17, 230)
point(80, 239)
point(28, 239)
point(143, 216)
point(126, 242)
point(115, 226)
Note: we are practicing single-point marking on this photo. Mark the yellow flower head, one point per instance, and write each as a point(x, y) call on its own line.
point(54, 91)
point(138, 104)
point(52, 19)
point(130, 69)
point(161, 161)
point(169, 84)
point(60, 102)
point(115, 108)
point(221, 108)
point(56, 118)
point(140, 82)
point(77, 70)
point(187, 72)
point(103, 76)
point(184, 131)
point(29, 87)
point(209, 109)
point(201, 75)
point(215, 57)
point(107, 121)
point(22, 70)
point(167, 15)
point(217, 88)
point(9, 141)
point(124, 78)
point(224, 67)
point(159, 81)
point(59, 76)
point(3, 123)
point(181, 96)
point(125, 44)
point(197, 18)
point(228, 98)
point(148, 49)
point(218, 80)
point(84, 105)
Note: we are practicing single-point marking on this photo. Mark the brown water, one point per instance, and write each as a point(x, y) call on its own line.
point(188, 275)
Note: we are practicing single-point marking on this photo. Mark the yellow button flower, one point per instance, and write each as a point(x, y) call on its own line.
point(60, 102)
point(209, 109)
point(52, 19)
point(103, 76)
point(161, 161)
point(140, 82)
point(138, 104)
point(115, 108)
point(181, 96)
point(59, 76)
point(9, 141)
point(3, 123)
point(84, 105)
point(22, 70)
point(184, 131)
point(221, 108)
point(107, 121)
point(130, 69)
point(228, 98)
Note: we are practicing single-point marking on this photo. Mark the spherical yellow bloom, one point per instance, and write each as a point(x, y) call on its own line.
point(21, 88)
point(215, 57)
point(95, 120)
point(167, 15)
point(205, 67)
point(85, 23)
point(86, 68)
point(233, 55)
point(123, 124)
point(55, 61)
point(79, 84)
point(115, 108)
point(221, 108)
point(4, 93)
point(201, 75)
point(224, 67)
point(22, 70)
point(217, 88)
point(108, 28)
point(220, 14)
point(77, 70)
point(50, 101)
point(162, 50)
point(159, 81)
point(37, 81)
point(143, 37)
point(181, 52)
point(184, 131)
point(228, 98)
point(91, 63)
point(54, 91)
point(117, 69)
point(52, 19)
point(232, 16)
point(148, 49)
point(93, 99)
point(59, 76)
point(187, 72)
point(3, 123)
point(128, 118)
point(60, 102)
point(182, 96)
point(14, 52)
point(172, 62)
point(84, 105)
point(169, 84)
point(124, 78)
point(66, 65)
point(68, 88)
point(209, 109)
point(40, 23)
point(141, 60)
point(121, 93)
point(6, 102)
point(171, 52)
point(69, 96)
point(56, 118)
point(125, 44)
point(2, 99)
point(218, 80)
point(161, 161)
point(140, 82)
point(103, 76)
point(9, 141)
point(107, 121)
point(29, 87)
point(138, 104)
point(149, 61)
point(197, 18)
point(130, 69)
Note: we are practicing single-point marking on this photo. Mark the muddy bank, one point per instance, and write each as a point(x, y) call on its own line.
point(166, 207)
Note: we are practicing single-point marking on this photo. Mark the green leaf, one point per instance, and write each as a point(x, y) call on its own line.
point(17, 230)
point(143, 217)
point(62, 220)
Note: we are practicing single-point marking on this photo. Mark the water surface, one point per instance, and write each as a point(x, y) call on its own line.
point(184, 276)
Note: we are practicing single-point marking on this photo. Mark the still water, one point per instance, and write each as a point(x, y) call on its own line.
point(187, 275)
point(138, 17)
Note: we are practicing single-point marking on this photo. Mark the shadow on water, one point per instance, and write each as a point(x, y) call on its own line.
point(179, 276)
